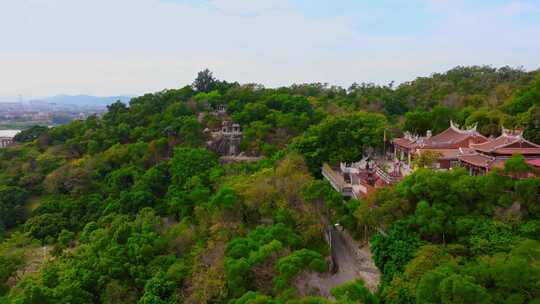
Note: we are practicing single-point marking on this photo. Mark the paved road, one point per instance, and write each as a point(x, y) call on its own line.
point(351, 264)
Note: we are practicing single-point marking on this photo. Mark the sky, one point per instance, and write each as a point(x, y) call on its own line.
point(130, 47)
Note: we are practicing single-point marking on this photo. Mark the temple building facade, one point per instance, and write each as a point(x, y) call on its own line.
point(357, 180)
point(446, 144)
point(226, 140)
point(457, 147)
point(493, 153)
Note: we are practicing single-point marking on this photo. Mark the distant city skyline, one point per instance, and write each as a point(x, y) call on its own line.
point(52, 98)
point(130, 47)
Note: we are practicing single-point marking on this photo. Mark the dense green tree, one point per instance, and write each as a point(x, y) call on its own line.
point(526, 98)
point(205, 81)
point(46, 225)
point(532, 124)
point(354, 292)
point(30, 134)
point(12, 209)
point(293, 264)
point(344, 138)
point(392, 252)
point(187, 163)
point(418, 122)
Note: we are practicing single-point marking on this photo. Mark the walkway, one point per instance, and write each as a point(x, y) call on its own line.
point(352, 261)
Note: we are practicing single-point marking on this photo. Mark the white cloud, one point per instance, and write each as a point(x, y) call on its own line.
point(514, 8)
point(134, 46)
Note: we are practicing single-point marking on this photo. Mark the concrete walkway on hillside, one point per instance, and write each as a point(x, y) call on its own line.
point(353, 262)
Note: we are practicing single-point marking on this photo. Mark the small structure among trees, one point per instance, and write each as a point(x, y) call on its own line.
point(5, 141)
point(360, 178)
point(226, 140)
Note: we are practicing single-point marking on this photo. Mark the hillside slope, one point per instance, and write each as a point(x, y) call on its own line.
point(133, 208)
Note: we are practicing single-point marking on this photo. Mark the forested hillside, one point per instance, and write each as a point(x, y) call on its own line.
point(132, 208)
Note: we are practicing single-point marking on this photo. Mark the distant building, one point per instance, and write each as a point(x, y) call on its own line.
point(493, 153)
point(6, 137)
point(5, 142)
point(466, 148)
point(357, 180)
point(226, 140)
point(446, 143)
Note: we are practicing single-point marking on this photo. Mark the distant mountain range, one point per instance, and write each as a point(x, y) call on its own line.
point(81, 100)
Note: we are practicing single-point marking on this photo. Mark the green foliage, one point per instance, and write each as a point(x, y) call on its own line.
point(122, 179)
point(392, 252)
point(8, 267)
point(437, 120)
point(187, 163)
point(46, 225)
point(122, 249)
point(531, 123)
point(434, 219)
point(224, 198)
point(487, 121)
point(525, 98)
point(65, 237)
point(158, 290)
point(474, 220)
point(30, 134)
point(483, 236)
point(517, 165)
point(427, 159)
point(291, 265)
point(343, 138)
point(442, 286)
point(354, 292)
point(136, 211)
point(11, 206)
point(245, 252)
point(204, 81)
point(250, 245)
point(252, 297)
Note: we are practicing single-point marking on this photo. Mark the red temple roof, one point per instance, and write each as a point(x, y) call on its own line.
point(510, 142)
point(447, 153)
point(535, 162)
point(477, 159)
point(404, 142)
point(451, 137)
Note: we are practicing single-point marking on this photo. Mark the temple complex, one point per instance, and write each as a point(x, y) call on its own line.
point(446, 144)
point(467, 148)
point(493, 153)
point(454, 147)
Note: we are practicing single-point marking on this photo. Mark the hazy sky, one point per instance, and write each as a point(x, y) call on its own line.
point(110, 47)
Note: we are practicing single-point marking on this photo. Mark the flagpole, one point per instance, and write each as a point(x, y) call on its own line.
point(384, 144)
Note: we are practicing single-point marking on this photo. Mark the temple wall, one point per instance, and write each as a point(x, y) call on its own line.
point(444, 163)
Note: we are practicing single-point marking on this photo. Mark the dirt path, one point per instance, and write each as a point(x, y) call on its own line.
point(35, 257)
point(352, 261)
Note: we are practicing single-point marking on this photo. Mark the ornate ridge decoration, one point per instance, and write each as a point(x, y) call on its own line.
point(412, 137)
point(517, 133)
point(466, 129)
